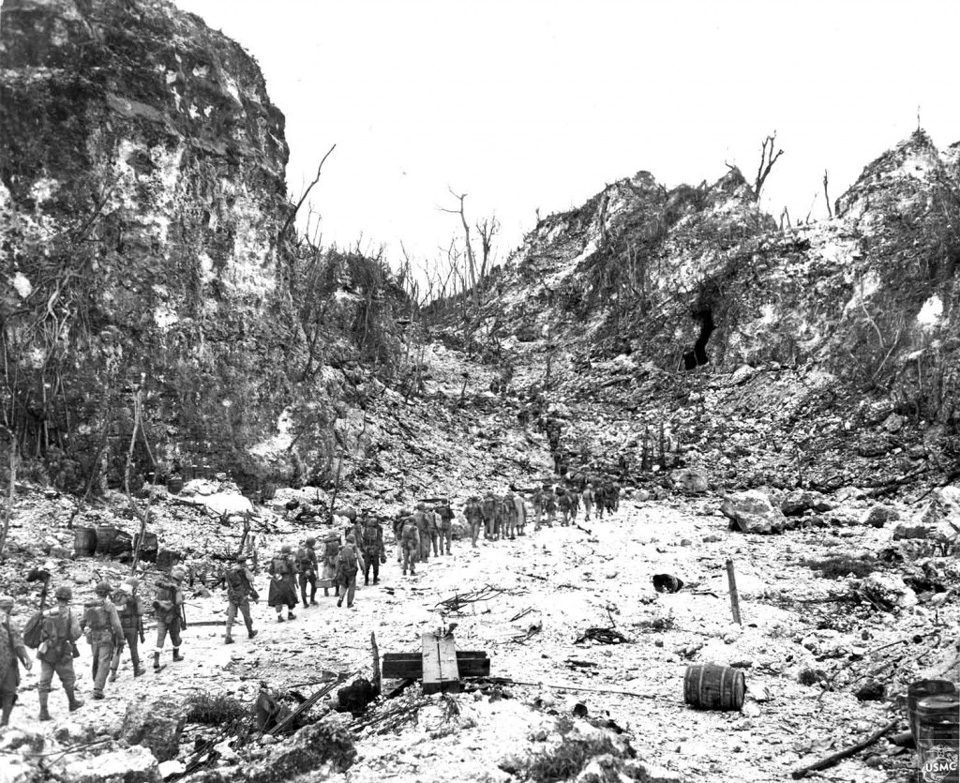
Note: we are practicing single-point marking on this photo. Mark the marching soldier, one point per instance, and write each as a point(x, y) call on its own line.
point(59, 632)
point(12, 652)
point(410, 541)
point(168, 606)
point(283, 585)
point(130, 611)
point(102, 626)
point(474, 517)
point(308, 561)
point(374, 553)
point(239, 591)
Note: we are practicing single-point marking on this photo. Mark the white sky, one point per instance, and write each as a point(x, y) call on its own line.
point(539, 103)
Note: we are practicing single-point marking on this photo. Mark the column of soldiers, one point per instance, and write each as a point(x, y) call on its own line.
point(114, 619)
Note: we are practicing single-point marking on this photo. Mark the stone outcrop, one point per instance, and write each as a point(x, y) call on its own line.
point(156, 726)
point(141, 196)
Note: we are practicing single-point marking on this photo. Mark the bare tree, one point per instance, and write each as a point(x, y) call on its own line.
point(471, 259)
point(767, 159)
point(826, 195)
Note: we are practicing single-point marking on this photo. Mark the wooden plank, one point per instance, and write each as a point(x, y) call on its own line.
point(430, 652)
point(449, 671)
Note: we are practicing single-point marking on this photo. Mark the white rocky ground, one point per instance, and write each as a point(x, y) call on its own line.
point(557, 583)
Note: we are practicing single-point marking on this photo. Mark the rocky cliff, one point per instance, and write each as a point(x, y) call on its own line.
point(141, 196)
point(834, 340)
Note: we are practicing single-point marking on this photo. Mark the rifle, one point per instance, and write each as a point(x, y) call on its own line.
point(183, 616)
point(140, 628)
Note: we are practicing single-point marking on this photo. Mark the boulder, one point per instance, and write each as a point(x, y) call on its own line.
point(129, 765)
point(752, 512)
point(691, 482)
point(18, 770)
point(321, 748)
point(888, 591)
point(879, 515)
point(156, 725)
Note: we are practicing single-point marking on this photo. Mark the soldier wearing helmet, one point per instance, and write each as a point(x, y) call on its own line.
point(168, 605)
point(283, 586)
point(309, 564)
point(59, 631)
point(12, 653)
point(130, 610)
point(102, 626)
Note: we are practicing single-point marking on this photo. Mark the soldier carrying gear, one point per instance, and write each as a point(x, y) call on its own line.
point(488, 507)
point(12, 653)
point(521, 510)
point(550, 505)
point(104, 633)
point(309, 565)
point(410, 542)
point(283, 586)
point(423, 527)
point(588, 500)
point(537, 501)
point(433, 528)
point(563, 503)
point(130, 611)
point(374, 553)
point(168, 606)
point(474, 517)
point(445, 514)
point(349, 562)
point(59, 631)
point(331, 548)
point(239, 591)
point(510, 515)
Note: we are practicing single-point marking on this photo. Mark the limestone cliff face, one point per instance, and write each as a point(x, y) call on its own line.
point(675, 277)
point(141, 196)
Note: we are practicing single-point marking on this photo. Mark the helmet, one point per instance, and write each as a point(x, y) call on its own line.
point(286, 549)
point(63, 593)
point(310, 541)
point(421, 506)
point(178, 572)
point(125, 587)
point(133, 582)
point(350, 540)
point(103, 588)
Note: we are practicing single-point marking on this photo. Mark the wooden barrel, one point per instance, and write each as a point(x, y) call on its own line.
point(938, 726)
point(711, 687)
point(920, 690)
point(84, 541)
point(122, 544)
point(149, 548)
point(106, 535)
point(167, 559)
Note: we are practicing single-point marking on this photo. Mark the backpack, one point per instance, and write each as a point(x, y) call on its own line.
point(166, 591)
point(488, 506)
point(31, 631)
point(370, 534)
point(348, 558)
point(303, 555)
point(409, 533)
point(95, 615)
point(280, 566)
point(235, 579)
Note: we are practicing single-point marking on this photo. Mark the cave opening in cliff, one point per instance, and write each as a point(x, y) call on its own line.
point(698, 356)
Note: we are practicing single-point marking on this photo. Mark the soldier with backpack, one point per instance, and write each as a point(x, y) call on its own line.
point(168, 606)
point(349, 563)
point(550, 505)
point(101, 624)
point(328, 572)
point(563, 504)
point(521, 507)
point(488, 507)
point(12, 653)
point(433, 528)
point(283, 585)
point(374, 553)
point(130, 611)
point(239, 591)
point(445, 514)
point(537, 502)
point(410, 542)
point(423, 526)
point(474, 517)
point(308, 561)
point(588, 500)
point(59, 630)
point(510, 516)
